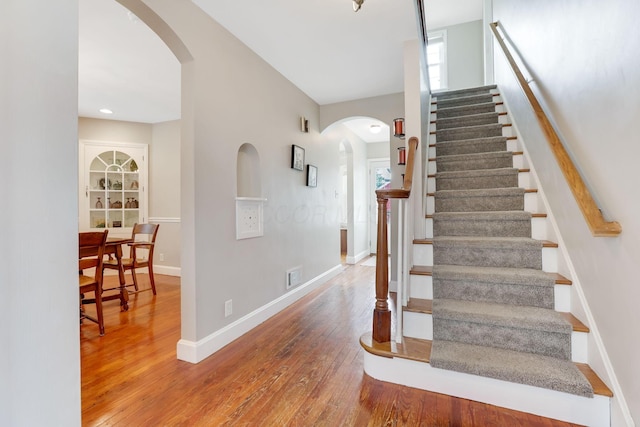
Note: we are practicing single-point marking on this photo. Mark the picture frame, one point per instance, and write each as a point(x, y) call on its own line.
point(297, 158)
point(312, 176)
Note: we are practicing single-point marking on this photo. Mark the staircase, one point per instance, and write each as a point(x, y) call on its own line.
point(488, 315)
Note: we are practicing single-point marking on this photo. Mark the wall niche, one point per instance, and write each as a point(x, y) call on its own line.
point(249, 200)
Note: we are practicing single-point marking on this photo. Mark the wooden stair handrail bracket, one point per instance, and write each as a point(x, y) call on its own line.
point(381, 312)
point(592, 214)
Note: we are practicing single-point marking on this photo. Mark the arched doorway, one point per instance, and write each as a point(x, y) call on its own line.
point(358, 145)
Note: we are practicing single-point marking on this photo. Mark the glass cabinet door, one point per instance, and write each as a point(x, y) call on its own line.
point(114, 192)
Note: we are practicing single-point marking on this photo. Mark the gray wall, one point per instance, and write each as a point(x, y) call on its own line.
point(465, 64)
point(231, 97)
point(583, 57)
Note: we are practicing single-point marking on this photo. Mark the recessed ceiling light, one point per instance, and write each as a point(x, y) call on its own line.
point(375, 128)
point(106, 111)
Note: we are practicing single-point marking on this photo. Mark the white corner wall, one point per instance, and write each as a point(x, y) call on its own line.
point(230, 96)
point(39, 333)
point(583, 57)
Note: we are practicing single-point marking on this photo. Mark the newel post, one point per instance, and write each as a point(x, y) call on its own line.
point(381, 313)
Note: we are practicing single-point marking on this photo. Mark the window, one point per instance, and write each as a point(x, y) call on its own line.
point(437, 59)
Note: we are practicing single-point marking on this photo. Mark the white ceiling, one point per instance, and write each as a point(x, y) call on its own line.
point(322, 46)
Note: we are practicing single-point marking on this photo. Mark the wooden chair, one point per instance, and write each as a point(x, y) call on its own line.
point(91, 251)
point(143, 241)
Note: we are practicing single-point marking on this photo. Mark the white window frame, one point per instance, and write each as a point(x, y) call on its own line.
point(437, 36)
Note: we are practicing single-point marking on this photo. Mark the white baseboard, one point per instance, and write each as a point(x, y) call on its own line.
point(195, 352)
point(158, 269)
point(167, 270)
point(356, 259)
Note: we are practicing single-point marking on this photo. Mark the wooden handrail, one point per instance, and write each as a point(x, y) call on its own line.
point(381, 313)
point(592, 214)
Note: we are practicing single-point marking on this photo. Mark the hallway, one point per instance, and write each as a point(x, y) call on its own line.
point(302, 367)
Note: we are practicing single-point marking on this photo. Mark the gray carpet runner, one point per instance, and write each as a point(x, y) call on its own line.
point(492, 303)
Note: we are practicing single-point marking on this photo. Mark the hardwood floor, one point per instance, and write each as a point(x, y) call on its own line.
point(303, 367)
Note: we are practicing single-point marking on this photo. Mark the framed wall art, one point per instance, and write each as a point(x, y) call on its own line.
point(312, 176)
point(297, 158)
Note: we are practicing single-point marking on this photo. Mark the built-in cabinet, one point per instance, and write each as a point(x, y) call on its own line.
point(113, 185)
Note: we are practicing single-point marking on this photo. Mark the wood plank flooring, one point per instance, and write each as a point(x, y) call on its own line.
point(303, 367)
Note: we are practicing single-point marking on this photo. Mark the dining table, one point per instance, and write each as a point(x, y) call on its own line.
point(113, 247)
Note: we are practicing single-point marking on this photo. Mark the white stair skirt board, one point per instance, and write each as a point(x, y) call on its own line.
point(420, 286)
point(417, 325)
point(197, 351)
point(594, 412)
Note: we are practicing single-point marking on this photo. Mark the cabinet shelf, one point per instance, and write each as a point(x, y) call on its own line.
point(105, 166)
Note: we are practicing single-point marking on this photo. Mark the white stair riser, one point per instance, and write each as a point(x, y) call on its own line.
point(531, 202)
point(431, 183)
point(519, 161)
point(539, 229)
point(550, 260)
point(420, 286)
point(417, 325)
point(420, 325)
point(562, 298)
point(595, 412)
point(524, 180)
point(428, 228)
point(423, 254)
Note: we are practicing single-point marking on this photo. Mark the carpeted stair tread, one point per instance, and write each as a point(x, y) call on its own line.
point(509, 252)
point(477, 179)
point(489, 224)
point(505, 315)
point(475, 161)
point(488, 199)
point(524, 368)
point(477, 173)
point(464, 110)
point(471, 146)
point(469, 132)
point(457, 93)
point(469, 120)
point(465, 100)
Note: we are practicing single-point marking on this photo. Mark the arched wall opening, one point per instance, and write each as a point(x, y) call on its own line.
point(357, 147)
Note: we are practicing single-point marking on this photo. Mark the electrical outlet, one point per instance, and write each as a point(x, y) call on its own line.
point(161, 257)
point(228, 308)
